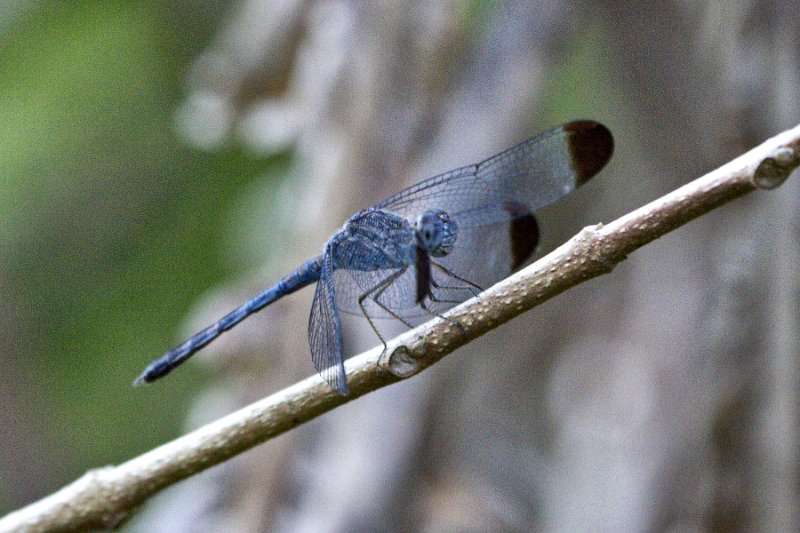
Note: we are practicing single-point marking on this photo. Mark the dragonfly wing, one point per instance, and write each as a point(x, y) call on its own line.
point(399, 296)
point(325, 331)
point(536, 172)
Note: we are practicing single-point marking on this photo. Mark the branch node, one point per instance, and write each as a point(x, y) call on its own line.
point(402, 362)
point(773, 171)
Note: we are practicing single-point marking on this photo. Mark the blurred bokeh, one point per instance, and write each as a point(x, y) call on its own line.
point(160, 162)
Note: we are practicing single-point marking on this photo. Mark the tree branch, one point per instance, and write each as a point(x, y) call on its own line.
point(104, 497)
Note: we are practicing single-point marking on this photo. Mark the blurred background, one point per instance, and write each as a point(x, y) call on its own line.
point(161, 162)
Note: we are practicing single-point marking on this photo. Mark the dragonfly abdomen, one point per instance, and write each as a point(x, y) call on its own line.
point(305, 274)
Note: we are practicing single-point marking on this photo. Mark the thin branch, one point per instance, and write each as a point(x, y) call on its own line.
point(104, 497)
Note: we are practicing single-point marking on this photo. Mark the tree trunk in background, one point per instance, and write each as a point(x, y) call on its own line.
point(663, 396)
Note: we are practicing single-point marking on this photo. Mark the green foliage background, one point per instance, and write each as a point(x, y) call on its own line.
point(96, 195)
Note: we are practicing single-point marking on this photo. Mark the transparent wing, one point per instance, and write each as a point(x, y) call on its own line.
point(325, 332)
point(534, 173)
point(396, 299)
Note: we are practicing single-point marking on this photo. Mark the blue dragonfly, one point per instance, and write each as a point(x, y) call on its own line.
point(428, 247)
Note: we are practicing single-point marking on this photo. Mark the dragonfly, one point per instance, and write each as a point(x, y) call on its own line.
point(428, 247)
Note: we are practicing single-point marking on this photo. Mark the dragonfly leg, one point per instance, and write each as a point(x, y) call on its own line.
point(436, 299)
point(473, 288)
point(452, 321)
point(378, 290)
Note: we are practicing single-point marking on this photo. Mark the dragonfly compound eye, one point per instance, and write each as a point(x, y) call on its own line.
point(436, 232)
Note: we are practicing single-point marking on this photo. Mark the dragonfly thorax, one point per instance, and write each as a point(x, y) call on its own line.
point(436, 232)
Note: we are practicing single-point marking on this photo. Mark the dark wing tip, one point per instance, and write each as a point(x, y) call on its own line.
point(591, 145)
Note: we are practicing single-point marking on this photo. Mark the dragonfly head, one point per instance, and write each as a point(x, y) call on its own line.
point(436, 232)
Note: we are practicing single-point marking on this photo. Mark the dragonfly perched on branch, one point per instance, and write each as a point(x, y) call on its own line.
point(428, 247)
